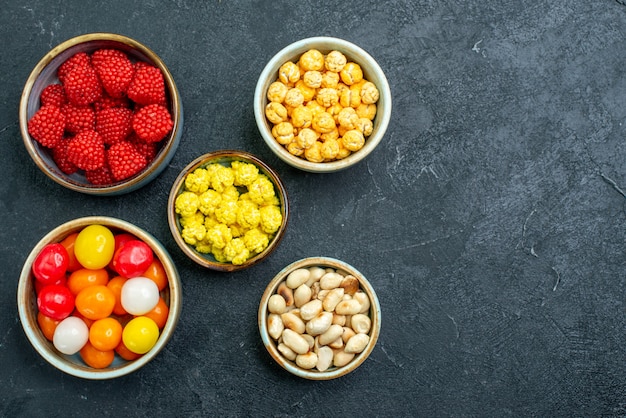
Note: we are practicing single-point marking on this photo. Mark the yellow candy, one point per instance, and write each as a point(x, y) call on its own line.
point(312, 60)
point(283, 132)
point(323, 122)
point(353, 140)
point(214, 213)
point(289, 73)
point(351, 73)
point(328, 95)
point(335, 61)
point(277, 91)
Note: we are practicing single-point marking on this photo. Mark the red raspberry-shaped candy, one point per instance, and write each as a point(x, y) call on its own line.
point(147, 86)
point(80, 58)
point(152, 123)
point(145, 148)
point(82, 86)
point(86, 150)
point(114, 69)
point(124, 160)
point(78, 118)
point(99, 177)
point(114, 124)
point(59, 155)
point(47, 126)
point(107, 101)
point(53, 94)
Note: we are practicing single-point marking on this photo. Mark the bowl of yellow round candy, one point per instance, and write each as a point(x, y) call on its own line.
point(322, 104)
point(228, 210)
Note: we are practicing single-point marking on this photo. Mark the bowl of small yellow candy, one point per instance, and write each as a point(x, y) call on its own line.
point(228, 210)
point(322, 104)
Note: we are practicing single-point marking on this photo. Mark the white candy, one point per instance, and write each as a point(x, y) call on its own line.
point(139, 295)
point(70, 335)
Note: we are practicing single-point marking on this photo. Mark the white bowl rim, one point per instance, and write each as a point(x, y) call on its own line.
point(333, 373)
point(299, 47)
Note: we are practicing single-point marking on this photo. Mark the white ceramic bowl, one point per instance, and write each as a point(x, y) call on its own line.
point(73, 364)
point(371, 71)
point(45, 73)
point(271, 345)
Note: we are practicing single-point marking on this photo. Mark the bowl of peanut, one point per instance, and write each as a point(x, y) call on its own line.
point(322, 104)
point(228, 210)
point(319, 318)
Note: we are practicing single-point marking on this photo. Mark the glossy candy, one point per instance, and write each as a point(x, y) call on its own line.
point(51, 263)
point(94, 246)
point(125, 353)
point(115, 285)
point(139, 295)
point(83, 278)
point(70, 335)
point(140, 334)
point(159, 313)
point(98, 359)
point(95, 302)
point(47, 325)
point(156, 273)
point(38, 285)
point(55, 301)
point(105, 334)
point(120, 240)
point(68, 243)
point(77, 294)
point(132, 258)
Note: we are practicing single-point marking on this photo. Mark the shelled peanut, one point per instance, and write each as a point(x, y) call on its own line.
point(319, 318)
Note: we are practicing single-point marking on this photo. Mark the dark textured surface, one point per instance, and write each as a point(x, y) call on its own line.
point(490, 220)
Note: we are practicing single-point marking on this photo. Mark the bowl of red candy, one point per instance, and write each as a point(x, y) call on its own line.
point(100, 114)
point(98, 297)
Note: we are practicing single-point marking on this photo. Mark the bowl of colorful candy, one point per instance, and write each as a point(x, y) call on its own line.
point(98, 297)
point(228, 210)
point(319, 318)
point(322, 104)
point(100, 114)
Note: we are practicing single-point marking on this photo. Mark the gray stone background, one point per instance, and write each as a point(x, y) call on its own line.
point(490, 220)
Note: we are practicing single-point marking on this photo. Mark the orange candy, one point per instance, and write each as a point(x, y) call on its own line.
point(96, 358)
point(159, 313)
point(83, 278)
point(87, 321)
point(125, 353)
point(95, 302)
point(115, 285)
point(68, 243)
point(156, 273)
point(47, 325)
point(105, 334)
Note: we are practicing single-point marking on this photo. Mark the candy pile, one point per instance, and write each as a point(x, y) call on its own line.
point(106, 117)
point(321, 107)
point(100, 294)
point(231, 211)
